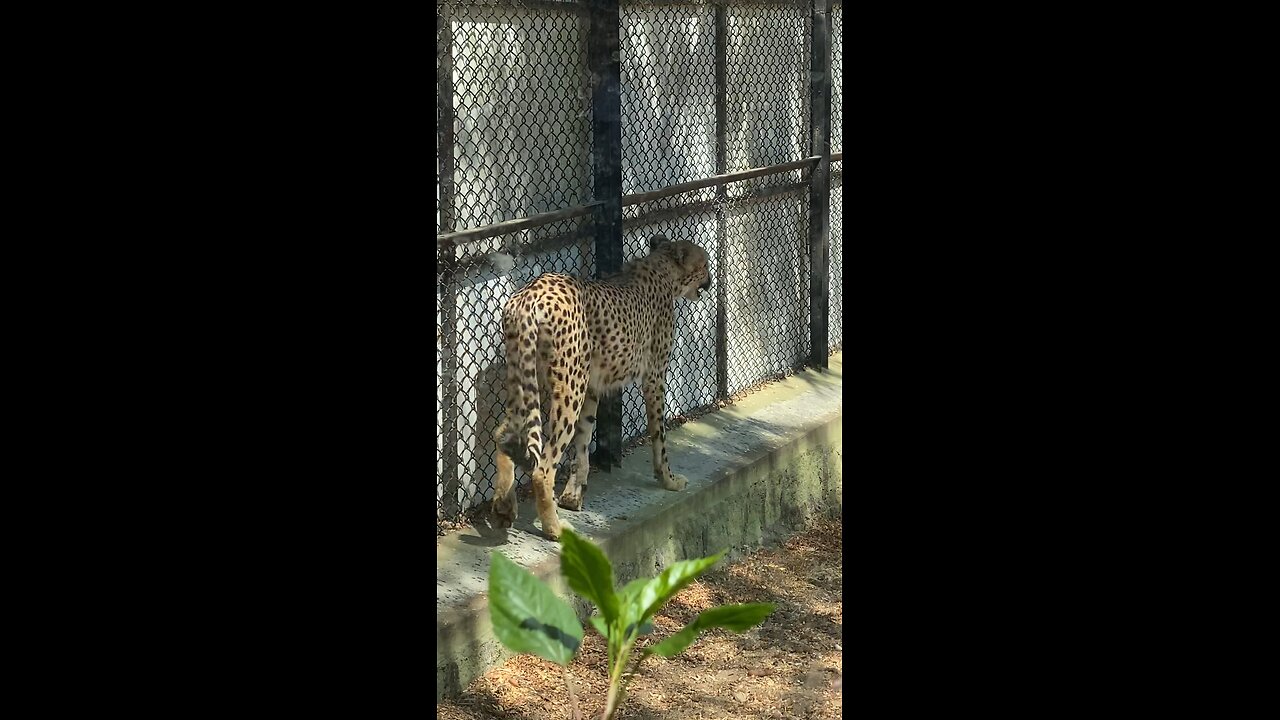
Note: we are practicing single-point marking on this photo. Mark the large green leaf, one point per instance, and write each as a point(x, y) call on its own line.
point(731, 617)
point(527, 616)
point(656, 592)
point(588, 572)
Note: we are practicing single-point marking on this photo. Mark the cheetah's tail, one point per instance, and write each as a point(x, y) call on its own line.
point(520, 437)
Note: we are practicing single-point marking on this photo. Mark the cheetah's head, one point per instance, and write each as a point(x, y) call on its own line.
point(692, 275)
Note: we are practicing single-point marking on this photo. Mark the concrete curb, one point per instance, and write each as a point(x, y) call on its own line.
point(757, 471)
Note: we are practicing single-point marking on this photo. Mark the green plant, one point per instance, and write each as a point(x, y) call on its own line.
point(528, 617)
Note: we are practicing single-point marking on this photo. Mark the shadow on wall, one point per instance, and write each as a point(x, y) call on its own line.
point(493, 380)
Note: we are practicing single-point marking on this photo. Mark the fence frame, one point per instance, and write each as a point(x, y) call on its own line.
point(447, 259)
point(606, 206)
point(604, 51)
point(820, 181)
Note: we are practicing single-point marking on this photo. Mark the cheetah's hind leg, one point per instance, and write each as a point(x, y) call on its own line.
point(576, 486)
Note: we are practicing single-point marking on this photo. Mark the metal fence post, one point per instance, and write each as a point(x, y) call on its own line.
point(603, 50)
point(447, 259)
point(820, 182)
point(722, 311)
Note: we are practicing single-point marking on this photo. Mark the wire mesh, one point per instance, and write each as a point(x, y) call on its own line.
point(837, 79)
point(835, 295)
point(442, 513)
point(521, 145)
point(767, 276)
point(522, 113)
point(437, 151)
point(767, 90)
point(517, 104)
point(488, 272)
point(668, 88)
point(691, 375)
point(835, 316)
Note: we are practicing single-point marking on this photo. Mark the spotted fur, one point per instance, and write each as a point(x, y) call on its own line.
point(573, 341)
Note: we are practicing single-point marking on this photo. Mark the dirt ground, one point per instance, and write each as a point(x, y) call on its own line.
point(788, 667)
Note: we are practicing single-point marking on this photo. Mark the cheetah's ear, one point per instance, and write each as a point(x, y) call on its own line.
point(674, 250)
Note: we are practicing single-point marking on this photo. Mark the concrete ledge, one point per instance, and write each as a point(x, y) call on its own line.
point(757, 470)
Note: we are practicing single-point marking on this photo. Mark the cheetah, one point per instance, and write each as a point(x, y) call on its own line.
point(577, 340)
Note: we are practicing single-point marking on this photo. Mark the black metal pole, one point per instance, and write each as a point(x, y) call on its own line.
point(820, 182)
point(722, 352)
point(603, 49)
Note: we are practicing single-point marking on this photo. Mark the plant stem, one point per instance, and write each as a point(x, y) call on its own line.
point(573, 699)
point(615, 686)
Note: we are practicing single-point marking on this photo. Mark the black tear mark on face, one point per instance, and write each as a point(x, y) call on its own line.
point(556, 634)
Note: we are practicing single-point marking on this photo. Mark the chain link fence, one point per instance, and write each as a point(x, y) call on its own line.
point(704, 89)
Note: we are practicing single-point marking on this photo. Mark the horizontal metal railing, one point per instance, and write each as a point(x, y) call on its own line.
point(506, 227)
